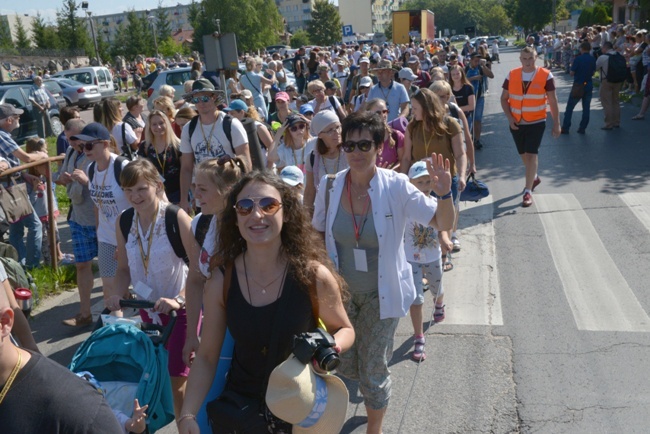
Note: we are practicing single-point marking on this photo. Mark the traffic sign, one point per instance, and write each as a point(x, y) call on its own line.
point(347, 30)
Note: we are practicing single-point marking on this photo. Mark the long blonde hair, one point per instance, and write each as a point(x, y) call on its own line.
point(111, 113)
point(170, 137)
point(433, 112)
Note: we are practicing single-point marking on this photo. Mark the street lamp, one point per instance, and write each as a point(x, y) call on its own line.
point(84, 6)
point(152, 20)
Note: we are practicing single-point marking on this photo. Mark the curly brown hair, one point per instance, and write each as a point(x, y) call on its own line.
point(301, 244)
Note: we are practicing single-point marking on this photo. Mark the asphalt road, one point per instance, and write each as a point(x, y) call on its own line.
point(547, 307)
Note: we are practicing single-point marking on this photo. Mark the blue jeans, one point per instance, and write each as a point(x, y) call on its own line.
point(570, 105)
point(31, 255)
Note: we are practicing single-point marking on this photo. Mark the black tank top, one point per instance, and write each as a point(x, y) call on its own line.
point(251, 328)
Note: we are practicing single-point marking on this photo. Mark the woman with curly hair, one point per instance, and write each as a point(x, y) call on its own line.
point(272, 258)
point(392, 150)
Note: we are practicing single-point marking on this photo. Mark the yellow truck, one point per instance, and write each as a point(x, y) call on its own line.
point(413, 26)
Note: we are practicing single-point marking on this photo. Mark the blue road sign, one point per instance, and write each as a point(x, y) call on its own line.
point(347, 31)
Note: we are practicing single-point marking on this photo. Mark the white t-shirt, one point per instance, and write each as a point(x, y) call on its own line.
point(109, 200)
point(128, 133)
point(209, 247)
point(327, 104)
point(421, 244)
point(210, 141)
point(294, 157)
point(3, 273)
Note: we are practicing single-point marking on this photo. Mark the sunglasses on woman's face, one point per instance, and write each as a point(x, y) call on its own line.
point(363, 145)
point(268, 206)
point(297, 127)
point(88, 146)
point(204, 98)
point(381, 112)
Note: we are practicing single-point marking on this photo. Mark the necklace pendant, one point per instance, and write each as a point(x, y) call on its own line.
point(264, 291)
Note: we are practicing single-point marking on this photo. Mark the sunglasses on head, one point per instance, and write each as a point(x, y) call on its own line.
point(297, 127)
point(363, 145)
point(196, 99)
point(268, 206)
point(223, 160)
point(88, 146)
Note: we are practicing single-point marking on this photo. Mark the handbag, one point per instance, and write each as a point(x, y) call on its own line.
point(475, 190)
point(15, 202)
point(577, 90)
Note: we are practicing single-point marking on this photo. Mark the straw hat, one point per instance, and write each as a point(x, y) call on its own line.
point(314, 403)
point(383, 64)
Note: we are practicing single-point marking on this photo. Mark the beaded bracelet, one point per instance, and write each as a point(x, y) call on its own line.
point(185, 416)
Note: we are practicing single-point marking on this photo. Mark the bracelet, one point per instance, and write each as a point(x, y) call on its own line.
point(446, 196)
point(185, 416)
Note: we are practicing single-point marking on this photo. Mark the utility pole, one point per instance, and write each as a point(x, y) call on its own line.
point(84, 6)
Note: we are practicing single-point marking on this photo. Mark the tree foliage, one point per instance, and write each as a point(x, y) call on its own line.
point(6, 42)
point(325, 27)
point(163, 25)
point(299, 39)
point(138, 36)
point(496, 21)
point(44, 36)
point(72, 29)
point(168, 47)
point(256, 23)
point(22, 40)
point(533, 15)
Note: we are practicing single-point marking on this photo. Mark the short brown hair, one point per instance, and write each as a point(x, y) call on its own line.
point(137, 170)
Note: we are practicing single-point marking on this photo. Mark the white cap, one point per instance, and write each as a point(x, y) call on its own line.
point(292, 175)
point(365, 82)
point(418, 170)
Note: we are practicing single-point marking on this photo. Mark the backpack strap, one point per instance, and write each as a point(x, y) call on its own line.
point(193, 122)
point(227, 129)
point(312, 158)
point(126, 220)
point(174, 233)
point(91, 170)
point(117, 168)
point(202, 227)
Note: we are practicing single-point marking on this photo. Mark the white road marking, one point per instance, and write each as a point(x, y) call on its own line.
point(599, 296)
point(639, 204)
point(472, 289)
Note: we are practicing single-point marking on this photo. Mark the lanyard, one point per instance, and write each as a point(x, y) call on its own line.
point(208, 143)
point(145, 258)
point(426, 142)
point(164, 160)
point(524, 85)
point(357, 229)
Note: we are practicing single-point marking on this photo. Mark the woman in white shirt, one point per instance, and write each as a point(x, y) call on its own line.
point(292, 144)
point(363, 226)
point(125, 136)
point(147, 260)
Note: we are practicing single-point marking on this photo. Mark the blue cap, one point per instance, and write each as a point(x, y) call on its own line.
point(236, 104)
point(94, 131)
point(306, 108)
point(292, 175)
point(418, 170)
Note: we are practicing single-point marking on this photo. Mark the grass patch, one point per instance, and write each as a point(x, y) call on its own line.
point(49, 282)
point(60, 191)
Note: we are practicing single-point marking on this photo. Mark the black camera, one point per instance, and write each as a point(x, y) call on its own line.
point(318, 345)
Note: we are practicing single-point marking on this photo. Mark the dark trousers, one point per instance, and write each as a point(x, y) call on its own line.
point(570, 105)
point(300, 83)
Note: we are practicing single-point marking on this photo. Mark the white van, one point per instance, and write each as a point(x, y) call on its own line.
point(97, 75)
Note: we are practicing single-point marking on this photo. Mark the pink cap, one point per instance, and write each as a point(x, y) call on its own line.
point(283, 96)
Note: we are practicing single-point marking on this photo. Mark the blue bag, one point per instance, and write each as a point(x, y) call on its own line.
point(474, 190)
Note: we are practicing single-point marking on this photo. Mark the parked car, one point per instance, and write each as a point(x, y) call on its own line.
point(97, 75)
point(56, 92)
point(503, 42)
point(277, 48)
point(459, 38)
point(79, 94)
point(173, 77)
point(17, 94)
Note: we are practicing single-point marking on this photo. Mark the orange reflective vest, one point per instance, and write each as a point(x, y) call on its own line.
point(528, 103)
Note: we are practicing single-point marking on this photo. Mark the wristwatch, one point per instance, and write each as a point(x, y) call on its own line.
point(180, 300)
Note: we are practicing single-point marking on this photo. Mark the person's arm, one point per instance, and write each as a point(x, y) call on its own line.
point(267, 81)
point(340, 109)
point(207, 357)
point(505, 106)
point(471, 103)
point(404, 109)
point(265, 137)
point(310, 190)
point(469, 145)
point(187, 167)
point(331, 310)
point(21, 328)
point(440, 174)
point(555, 112)
point(487, 71)
point(122, 273)
point(405, 161)
point(461, 159)
point(25, 157)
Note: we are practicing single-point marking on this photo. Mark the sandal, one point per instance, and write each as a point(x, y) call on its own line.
point(439, 314)
point(638, 118)
point(418, 350)
point(447, 265)
point(456, 243)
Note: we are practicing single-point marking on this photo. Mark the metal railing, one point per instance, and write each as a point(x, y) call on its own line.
point(50, 200)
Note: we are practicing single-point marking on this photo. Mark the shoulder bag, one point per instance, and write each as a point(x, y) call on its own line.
point(15, 202)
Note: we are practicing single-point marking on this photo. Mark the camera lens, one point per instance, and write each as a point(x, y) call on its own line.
point(328, 359)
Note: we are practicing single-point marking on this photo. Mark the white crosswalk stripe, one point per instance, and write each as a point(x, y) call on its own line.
point(599, 296)
point(639, 204)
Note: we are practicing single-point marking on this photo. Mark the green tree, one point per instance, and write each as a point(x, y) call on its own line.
point(6, 43)
point(299, 39)
point(388, 31)
point(73, 32)
point(163, 25)
point(325, 25)
point(118, 45)
point(22, 41)
point(533, 15)
point(103, 47)
point(138, 36)
point(586, 17)
point(169, 47)
point(496, 21)
point(601, 15)
point(44, 35)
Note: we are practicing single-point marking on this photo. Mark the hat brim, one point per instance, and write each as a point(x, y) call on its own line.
point(218, 93)
point(333, 418)
point(291, 182)
point(85, 138)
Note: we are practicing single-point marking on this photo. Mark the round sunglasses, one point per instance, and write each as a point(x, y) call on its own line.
point(363, 145)
point(268, 205)
point(297, 127)
point(196, 99)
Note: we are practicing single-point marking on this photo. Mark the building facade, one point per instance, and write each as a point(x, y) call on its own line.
point(296, 13)
point(368, 16)
point(11, 22)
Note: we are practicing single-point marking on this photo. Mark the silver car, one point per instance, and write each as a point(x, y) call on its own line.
point(79, 94)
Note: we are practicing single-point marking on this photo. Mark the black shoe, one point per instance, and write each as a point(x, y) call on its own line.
point(607, 128)
point(581, 131)
point(565, 131)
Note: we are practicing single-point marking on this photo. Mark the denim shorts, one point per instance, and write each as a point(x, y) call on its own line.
point(478, 110)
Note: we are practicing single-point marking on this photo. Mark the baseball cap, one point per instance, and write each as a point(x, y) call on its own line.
point(420, 50)
point(365, 82)
point(93, 131)
point(329, 84)
point(418, 170)
point(7, 110)
point(247, 94)
point(305, 109)
point(292, 175)
point(363, 59)
point(413, 59)
point(236, 104)
point(282, 96)
point(407, 73)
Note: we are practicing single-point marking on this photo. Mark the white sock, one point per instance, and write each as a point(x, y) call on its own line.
point(527, 191)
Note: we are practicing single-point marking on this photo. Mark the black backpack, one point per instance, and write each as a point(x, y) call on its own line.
point(171, 228)
point(202, 227)
point(227, 128)
point(616, 68)
point(117, 169)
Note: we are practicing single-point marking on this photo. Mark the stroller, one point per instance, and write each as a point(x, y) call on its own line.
point(131, 363)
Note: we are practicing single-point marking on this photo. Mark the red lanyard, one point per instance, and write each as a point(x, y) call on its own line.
point(357, 229)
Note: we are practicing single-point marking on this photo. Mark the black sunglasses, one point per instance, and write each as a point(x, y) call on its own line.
point(88, 146)
point(297, 127)
point(268, 206)
point(363, 145)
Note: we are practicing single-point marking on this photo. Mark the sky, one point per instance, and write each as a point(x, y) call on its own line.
point(48, 8)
